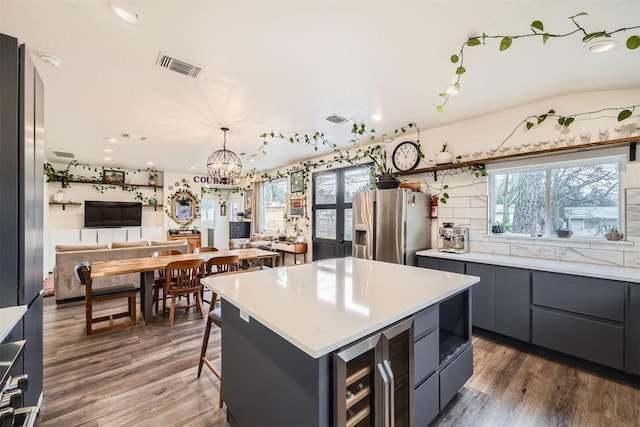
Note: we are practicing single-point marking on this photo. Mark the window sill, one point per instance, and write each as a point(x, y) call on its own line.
point(559, 240)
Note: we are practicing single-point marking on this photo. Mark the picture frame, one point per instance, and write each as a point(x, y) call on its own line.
point(112, 176)
point(296, 206)
point(247, 204)
point(297, 181)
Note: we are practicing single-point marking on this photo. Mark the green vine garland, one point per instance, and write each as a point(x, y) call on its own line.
point(537, 30)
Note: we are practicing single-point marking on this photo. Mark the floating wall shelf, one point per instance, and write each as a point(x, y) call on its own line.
point(64, 204)
point(631, 141)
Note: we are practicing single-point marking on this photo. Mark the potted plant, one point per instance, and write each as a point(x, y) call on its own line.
point(564, 233)
point(613, 234)
point(444, 156)
point(385, 177)
point(153, 176)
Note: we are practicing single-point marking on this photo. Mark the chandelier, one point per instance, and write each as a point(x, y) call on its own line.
point(224, 166)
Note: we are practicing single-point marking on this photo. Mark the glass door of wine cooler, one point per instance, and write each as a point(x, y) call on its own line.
point(373, 380)
point(398, 352)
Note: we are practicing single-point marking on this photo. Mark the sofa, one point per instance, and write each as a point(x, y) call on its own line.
point(67, 288)
point(260, 241)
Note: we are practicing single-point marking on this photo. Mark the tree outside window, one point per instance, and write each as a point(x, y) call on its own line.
point(583, 197)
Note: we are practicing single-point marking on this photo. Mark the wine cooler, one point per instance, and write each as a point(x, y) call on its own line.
point(374, 381)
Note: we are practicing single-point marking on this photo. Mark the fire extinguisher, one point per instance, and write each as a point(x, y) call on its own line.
point(434, 207)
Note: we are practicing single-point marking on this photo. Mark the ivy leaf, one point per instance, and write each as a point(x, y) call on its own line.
point(561, 121)
point(529, 125)
point(473, 42)
point(595, 35)
point(445, 195)
point(443, 94)
point(542, 118)
point(456, 87)
point(440, 108)
point(579, 14)
point(545, 37)
point(272, 134)
point(537, 25)
point(505, 43)
point(633, 42)
point(568, 121)
point(460, 70)
point(454, 59)
point(444, 187)
point(623, 115)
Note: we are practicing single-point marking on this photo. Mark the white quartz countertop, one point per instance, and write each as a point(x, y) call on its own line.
point(575, 268)
point(325, 305)
point(9, 317)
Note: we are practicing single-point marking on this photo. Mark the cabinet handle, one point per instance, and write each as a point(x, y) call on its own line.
point(385, 398)
point(392, 411)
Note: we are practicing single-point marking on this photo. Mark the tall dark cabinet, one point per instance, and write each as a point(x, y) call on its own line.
point(21, 209)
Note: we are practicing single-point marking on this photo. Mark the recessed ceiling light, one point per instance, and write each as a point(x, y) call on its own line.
point(125, 13)
point(111, 139)
point(600, 46)
point(192, 167)
point(50, 59)
point(150, 163)
point(376, 117)
point(252, 159)
point(108, 150)
point(108, 159)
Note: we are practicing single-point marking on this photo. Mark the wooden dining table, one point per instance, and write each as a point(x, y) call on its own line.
point(147, 265)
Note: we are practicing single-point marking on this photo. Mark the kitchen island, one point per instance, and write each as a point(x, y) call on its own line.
point(284, 328)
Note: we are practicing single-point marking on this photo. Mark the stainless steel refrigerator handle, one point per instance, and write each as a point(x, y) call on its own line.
point(385, 399)
point(392, 411)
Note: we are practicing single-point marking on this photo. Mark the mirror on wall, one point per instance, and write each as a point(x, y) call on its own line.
point(184, 207)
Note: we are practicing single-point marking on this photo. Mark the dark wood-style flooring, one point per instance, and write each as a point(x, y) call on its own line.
point(146, 376)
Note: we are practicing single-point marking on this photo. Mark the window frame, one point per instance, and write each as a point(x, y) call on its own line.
point(263, 205)
point(547, 167)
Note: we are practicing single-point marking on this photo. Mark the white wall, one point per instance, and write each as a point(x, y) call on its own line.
point(468, 195)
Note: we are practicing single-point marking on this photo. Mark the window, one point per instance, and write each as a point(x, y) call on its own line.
point(274, 205)
point(582, 196)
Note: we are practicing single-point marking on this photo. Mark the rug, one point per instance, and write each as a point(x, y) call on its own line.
point(47, 286)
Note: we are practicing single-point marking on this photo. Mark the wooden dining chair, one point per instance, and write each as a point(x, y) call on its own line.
point(222, 264)
point(203, 249)
point(213, 318)
point(158, 281)
point(183, 278)
point(82, 271)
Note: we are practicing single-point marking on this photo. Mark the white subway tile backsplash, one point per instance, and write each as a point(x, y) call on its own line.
point(562, 243)
point(444, 212)
point(633, 196)
point(489, 248)
point(468, 213)
point(479, 224)
point(633, 213)
point(632, 260)
point(633, 228)
point(511, 240)
point(478, 235)
point(468, 189)
point(478, 202)
point(534, 251)
point(459, 202)
point(592, 256)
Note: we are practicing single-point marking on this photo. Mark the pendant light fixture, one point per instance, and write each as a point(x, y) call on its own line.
point(224, 166)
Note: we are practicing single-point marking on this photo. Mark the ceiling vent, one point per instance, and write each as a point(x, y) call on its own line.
point(178, 65)
point(64, 154)
point(334, 118)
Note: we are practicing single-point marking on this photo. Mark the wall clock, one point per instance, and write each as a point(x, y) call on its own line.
point(406, 156)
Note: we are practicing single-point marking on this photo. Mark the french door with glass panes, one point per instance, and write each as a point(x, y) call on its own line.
point(332, 213)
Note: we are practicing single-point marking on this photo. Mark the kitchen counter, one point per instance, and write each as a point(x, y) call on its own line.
point(575, 268)
point(9, 317)
point(322, 306)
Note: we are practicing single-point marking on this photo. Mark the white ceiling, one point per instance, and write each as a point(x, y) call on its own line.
point(282, 66)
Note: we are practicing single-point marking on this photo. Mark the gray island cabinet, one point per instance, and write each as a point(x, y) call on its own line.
point(588, 312)
point(343, 342)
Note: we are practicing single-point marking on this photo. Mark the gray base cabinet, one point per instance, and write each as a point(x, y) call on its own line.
point(588, 339)
point(483, 298)
point(594, 319)
point(632, 330)
point(512, 302)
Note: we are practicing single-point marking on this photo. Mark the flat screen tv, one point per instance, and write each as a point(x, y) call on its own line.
point(112, 214)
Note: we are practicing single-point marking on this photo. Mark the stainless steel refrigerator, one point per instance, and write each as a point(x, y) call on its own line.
point(390, 225)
